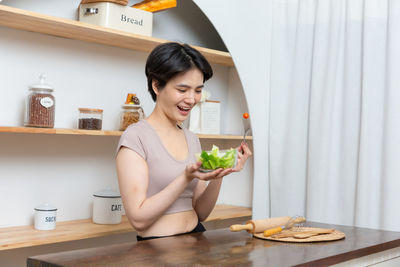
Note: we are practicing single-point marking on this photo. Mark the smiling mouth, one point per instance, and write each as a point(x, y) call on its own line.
point(184, 108)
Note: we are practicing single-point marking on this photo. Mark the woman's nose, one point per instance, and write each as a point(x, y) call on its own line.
point(190, 98)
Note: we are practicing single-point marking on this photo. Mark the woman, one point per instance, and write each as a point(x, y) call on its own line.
point(163, 191)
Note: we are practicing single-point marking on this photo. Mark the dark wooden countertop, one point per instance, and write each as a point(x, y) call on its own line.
point(225, 248)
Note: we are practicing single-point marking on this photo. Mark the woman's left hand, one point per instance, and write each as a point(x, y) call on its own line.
point(193, 171)
point(244, 153)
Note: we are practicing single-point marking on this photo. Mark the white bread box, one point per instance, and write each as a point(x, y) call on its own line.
point(119, 17)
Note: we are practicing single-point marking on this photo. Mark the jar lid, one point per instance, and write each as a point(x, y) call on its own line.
point(107, 193)
point(90, 110)
point(41, 84)
point(131, 106)
point(45, 207)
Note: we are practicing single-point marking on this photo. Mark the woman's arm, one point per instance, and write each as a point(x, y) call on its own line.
point(133, 178)
point(205, 196)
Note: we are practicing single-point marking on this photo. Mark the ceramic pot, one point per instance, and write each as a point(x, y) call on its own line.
point(107, 207)
point(45, 217)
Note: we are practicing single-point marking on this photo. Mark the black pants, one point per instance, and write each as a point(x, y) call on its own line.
point(199, 228)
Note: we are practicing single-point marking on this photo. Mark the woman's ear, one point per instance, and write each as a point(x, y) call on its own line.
point(154, 84)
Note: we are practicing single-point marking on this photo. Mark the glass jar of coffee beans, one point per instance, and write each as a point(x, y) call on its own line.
point(40, 105)
point(90, 119)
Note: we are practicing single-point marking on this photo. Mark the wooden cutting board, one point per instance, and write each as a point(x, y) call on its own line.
point(335, 235)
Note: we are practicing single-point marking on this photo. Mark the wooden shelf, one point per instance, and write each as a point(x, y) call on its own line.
point(40, 23)
point(223, 136)
point(26, 236)
point(32, 130)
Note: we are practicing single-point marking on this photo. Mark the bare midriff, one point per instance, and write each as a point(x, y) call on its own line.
point(172, 224)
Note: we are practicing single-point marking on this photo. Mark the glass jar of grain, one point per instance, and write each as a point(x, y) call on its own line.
point(131, 113)
point(40, 105)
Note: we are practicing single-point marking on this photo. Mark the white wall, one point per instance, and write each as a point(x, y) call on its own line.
point(236, 188)
point(245, 30)
point(66, 170)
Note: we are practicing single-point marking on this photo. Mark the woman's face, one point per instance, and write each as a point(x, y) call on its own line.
point(180, 94)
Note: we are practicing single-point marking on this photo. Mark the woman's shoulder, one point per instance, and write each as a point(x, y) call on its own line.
point(136, 137)
point(139, 128)
point(140, 131)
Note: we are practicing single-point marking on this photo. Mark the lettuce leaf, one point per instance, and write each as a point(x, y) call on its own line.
point(215, 158)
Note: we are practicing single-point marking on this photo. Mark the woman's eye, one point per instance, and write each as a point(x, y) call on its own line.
point(182, 90)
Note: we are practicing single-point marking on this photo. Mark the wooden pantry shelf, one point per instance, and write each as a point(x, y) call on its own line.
point(32, 130)
point(27, 236)
point(223, 136)
point(31, 21)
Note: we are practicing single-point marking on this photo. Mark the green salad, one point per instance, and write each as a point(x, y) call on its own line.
point(215, 158)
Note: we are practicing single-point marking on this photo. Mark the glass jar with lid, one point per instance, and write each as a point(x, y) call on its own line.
point(90, 118)
point(40, 105)
point(131, 113)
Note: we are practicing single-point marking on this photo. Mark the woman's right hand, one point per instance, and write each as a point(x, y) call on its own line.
point(192, 171)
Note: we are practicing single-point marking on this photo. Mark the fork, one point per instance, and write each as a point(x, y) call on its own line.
point(245, 133)
point(246, 125)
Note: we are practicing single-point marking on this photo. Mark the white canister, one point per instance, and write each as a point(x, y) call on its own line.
point(45, 217)
point(107, 207)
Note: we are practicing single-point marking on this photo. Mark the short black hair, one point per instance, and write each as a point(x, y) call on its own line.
point(170, 59)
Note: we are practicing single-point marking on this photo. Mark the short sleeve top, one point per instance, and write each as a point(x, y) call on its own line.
point(163, 168)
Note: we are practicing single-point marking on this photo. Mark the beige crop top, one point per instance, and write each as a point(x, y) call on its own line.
point(163, 167)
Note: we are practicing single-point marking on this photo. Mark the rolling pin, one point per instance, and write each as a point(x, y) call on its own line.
point(258, 226)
